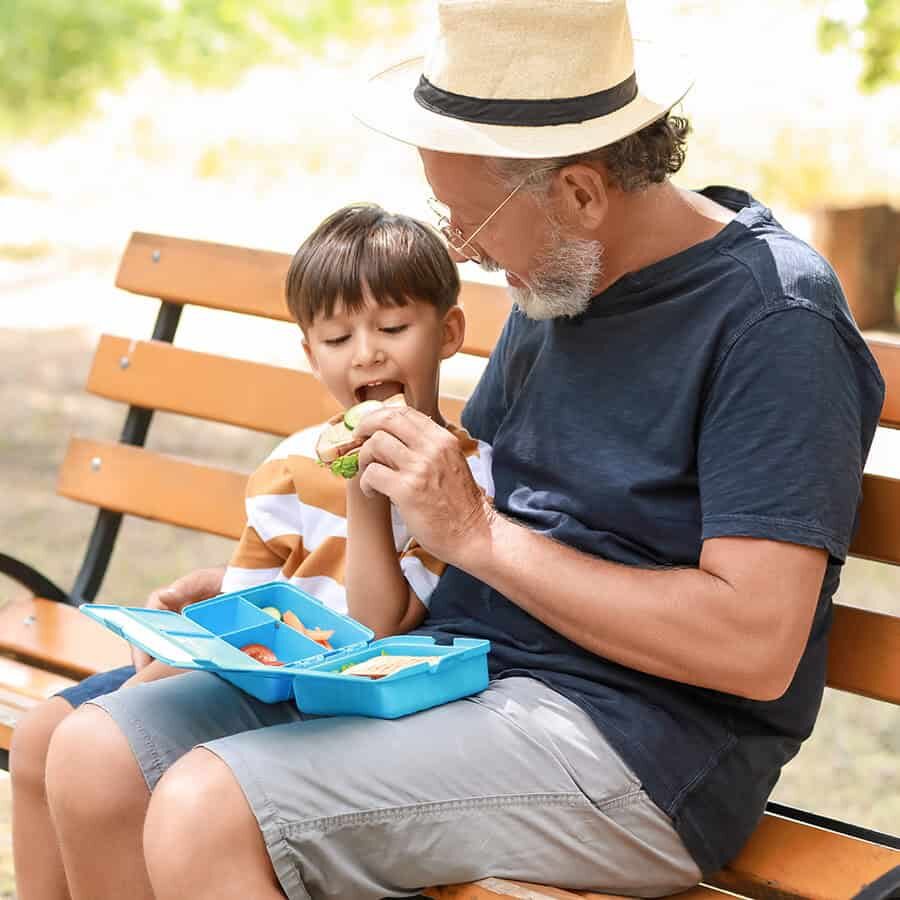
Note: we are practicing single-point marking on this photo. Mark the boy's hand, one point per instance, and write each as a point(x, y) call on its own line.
point(198, 585)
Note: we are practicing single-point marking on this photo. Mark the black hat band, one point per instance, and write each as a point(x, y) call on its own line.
point(565, 111)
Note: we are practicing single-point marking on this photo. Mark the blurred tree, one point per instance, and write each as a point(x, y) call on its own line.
point(877, 35)
point(56, 55)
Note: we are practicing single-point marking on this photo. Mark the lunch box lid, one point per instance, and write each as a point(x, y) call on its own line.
point(181, 642)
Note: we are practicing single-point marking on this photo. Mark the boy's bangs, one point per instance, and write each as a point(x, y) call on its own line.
point(362, 252)
point(336, 276)
point(387, 272)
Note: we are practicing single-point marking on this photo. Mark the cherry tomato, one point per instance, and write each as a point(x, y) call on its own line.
point(261, 654)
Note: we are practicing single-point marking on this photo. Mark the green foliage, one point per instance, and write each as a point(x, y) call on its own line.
point(878, 35)
point(56, 55)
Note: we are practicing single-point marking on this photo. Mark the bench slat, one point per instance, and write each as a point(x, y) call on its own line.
point(12, 707)
point(58, 637)
point(701, 892)
point(28, 681)
point(122, 487)
point(878, 536)
point(487, 307)
point(888, 357)
point(786, 859)
point(273, 399)
point(492, 888)
point(22, 687)
point(874, 673)
point(205, 274)
point(252, 282)
point(154, 486)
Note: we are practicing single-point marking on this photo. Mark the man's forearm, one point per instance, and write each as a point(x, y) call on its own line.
point(684, 624)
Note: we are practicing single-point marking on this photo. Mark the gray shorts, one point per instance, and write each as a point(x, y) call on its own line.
point(516, 782)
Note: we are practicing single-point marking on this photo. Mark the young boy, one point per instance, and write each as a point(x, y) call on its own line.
point(375, 296)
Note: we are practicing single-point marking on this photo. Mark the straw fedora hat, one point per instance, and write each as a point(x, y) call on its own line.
point(525, 79)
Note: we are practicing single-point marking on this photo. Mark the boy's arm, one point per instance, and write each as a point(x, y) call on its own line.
point(378, 594)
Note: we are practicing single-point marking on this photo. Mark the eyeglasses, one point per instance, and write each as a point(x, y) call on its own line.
point(454, 237)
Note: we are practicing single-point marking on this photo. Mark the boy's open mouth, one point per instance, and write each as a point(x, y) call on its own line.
point(378, 390)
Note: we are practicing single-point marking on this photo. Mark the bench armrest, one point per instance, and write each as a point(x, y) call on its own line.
point(29, 577)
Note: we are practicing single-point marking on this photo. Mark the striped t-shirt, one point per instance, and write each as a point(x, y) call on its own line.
point(296, 526)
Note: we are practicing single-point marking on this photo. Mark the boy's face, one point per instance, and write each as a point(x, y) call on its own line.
point(381, 351)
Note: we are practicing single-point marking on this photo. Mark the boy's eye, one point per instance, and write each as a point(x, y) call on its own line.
point(334, 341)
point(394, 329)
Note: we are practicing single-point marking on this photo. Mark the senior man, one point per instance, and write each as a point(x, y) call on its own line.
point(680, 407)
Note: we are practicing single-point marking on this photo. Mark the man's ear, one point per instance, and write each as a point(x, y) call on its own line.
point(310, 357)
point(583, 195)
point(454, 331)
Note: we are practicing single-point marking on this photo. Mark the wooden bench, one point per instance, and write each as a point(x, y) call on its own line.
point(45, 642)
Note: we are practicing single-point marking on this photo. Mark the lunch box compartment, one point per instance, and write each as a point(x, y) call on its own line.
point(229, 613)
point(323, 689)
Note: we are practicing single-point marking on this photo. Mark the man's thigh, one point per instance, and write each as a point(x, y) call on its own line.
point(516, 782)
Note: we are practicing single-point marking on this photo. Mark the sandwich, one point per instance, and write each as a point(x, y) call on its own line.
point(336, 446)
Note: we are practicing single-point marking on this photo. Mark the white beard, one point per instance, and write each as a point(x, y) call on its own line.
point(562, 279)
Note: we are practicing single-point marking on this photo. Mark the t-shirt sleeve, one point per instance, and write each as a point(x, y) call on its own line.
point(784, 434)
point(256, 558)
point(252, 563)
point(421, 569)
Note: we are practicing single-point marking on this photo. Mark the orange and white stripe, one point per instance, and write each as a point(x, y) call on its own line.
point(296, 527)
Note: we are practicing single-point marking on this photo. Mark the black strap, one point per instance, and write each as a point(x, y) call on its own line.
point(561, 111)
point(29, 577)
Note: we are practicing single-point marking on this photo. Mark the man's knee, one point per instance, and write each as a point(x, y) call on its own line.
point(30, 743)
point(92, 774)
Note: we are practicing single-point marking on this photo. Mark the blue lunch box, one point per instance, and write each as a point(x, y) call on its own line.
point(208, 635)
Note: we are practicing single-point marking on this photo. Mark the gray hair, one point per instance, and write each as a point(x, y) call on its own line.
point(648, 156)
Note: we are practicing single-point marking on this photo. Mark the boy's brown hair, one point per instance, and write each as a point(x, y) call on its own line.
point(362, 246)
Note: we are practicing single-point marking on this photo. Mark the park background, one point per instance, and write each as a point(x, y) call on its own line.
point(228, 120)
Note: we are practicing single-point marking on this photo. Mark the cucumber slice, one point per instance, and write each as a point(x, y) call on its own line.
point(356, 413)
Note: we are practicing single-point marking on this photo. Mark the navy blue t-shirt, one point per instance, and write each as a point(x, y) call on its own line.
point(721, 391)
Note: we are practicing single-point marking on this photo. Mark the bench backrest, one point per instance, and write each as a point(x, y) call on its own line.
point(864, 655)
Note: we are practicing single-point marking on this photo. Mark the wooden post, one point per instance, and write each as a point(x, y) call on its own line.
point(863, 246)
